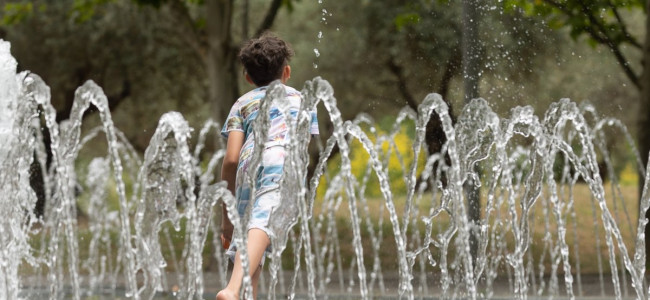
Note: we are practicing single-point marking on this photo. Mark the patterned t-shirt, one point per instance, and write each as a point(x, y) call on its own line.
point(241, 118)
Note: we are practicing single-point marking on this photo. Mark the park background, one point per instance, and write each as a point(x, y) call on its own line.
point(156, 56)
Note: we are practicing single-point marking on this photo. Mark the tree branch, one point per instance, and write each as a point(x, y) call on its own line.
point(630, 39)
point(218, 25)
point(397, 70)
point(187, 30)
point(245, 18)
point(600, 36)
point(451, 69)
point(113, 102)
point(623, 62)
point(267, 23)
point(613, 46)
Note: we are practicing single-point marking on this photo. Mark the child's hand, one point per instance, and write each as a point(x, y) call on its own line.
point(226, 235)
point(225, 243)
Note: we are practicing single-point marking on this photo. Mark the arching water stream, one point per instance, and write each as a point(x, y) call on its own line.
point(380, 217)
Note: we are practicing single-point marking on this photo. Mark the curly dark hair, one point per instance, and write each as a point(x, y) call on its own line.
point(264, 58)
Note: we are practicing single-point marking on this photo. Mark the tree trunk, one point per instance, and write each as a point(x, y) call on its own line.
point(471, 61)
point(245, 18)
point(220, 58)
point(644, 116)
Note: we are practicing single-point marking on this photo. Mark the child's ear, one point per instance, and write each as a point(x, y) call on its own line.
point(286, 73)
point(248, 78)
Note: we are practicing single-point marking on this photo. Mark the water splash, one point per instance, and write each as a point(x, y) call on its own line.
point(530, 170)
point(16, 133)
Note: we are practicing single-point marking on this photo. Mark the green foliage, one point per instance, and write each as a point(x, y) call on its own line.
point(84, 10)
point(15, 13)
point(419, 37)
point(406, 19)
point(600, 20)
point(200, 23)
point(289, 4)
point(158, 3)
point(80, 10)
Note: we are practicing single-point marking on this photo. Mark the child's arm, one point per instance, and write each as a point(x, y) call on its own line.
point(229, 174)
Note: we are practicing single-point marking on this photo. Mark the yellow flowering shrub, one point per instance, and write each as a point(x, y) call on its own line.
point(360, 161)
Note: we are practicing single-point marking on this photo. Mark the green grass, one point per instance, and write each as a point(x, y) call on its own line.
point(582, 229)
point(387, 251)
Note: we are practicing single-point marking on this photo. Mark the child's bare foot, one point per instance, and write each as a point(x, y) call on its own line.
point(226, 294)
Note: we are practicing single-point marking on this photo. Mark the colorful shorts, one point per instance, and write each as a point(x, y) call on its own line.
point(267, 195)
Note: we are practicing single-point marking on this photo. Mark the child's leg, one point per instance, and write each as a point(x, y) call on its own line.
point(258, 241)
point(255, 278)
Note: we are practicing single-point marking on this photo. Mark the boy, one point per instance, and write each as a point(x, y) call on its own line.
point(265, 59)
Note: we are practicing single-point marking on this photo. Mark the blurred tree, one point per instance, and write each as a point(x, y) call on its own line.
point(414, 47)
point(397, 51)
point(202, 27)
point(51, 41)
point(603, 23)
point(118, 47)
point(471, 45)
point(206, 28)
